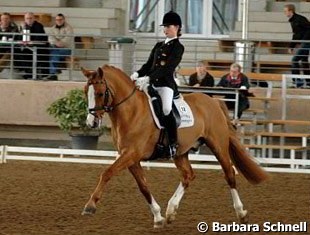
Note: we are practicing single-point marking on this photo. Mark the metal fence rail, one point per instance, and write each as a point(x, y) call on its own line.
point(91, 51)
point(199, 161)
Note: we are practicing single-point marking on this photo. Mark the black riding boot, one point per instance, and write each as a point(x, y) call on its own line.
point(171, 128)
point(157, 104)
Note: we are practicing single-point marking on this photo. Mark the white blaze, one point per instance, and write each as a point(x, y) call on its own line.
point(91, 97)
point(91, 104)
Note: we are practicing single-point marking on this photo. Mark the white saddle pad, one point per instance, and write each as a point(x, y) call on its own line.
point(187, 118)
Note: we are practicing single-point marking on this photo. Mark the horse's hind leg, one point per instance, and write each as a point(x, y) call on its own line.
point(223, 158)
point(137, 171)
point(183, 165)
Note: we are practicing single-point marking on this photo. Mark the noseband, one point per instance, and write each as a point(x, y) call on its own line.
point(107, 94)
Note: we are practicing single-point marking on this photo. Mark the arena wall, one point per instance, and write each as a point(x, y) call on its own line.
point(24, 103)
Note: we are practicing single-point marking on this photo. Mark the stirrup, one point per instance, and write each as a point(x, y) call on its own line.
point(173, 150)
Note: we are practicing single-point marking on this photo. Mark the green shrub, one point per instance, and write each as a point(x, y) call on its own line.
point(70, 111)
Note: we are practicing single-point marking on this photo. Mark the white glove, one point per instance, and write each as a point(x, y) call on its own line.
point(243, 88)
point(142, 82)
point(134, 76)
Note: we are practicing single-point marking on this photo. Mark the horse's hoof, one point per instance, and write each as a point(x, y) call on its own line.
point(171, 213)
point(89, 211)
point(160, 224)
point(171, 217)
point(244, 218)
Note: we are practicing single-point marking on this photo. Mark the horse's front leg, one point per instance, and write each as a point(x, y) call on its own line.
point(138, 173)
point(183, 165)
point(124, 161)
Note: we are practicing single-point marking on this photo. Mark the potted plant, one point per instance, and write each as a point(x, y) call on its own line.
point(70, 112)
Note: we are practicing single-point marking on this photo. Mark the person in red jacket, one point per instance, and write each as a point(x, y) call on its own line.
point(236, 79)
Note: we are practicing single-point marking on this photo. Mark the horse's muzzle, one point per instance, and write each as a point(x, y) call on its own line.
point(92, 121)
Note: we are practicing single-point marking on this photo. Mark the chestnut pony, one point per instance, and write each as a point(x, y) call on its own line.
point(110, 90)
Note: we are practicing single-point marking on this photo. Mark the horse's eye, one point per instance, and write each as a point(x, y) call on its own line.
point(100, 94)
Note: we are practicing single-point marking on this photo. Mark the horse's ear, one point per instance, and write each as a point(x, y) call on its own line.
point(84, 71)
point(100, 72)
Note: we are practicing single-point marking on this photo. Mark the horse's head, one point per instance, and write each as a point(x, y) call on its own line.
point(106, 89)
point(98, 96)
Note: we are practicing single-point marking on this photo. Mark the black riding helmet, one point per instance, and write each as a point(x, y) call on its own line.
point(171, 18)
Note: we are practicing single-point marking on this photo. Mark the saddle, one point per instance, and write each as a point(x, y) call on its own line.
point(180, 109)
point(181, 112)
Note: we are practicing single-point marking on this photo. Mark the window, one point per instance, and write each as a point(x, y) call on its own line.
point(200, 18)
point(142, 15)
point(190, 12)
point(224, 16)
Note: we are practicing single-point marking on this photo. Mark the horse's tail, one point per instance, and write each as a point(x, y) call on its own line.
point(244, 162)
point(239, 155)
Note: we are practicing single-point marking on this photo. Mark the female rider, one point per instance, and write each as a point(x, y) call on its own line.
point(160, 67)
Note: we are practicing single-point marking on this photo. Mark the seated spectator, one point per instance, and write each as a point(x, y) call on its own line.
point(24, 57)
point(201, 77)
point(236, 79)
point(6, 26)
point(61, 41)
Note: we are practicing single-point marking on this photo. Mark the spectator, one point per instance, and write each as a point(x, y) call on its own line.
point(25, 57)
point(61, 41)
point(301, 31)
point(236, 79)
point(6, 26)
point(201, 77)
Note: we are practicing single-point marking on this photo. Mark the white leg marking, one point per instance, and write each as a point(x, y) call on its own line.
point(177, 196)
point(174, 202)
point(238, 204)
point(155, 208)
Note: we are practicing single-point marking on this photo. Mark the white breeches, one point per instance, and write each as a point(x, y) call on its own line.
point(166, 95)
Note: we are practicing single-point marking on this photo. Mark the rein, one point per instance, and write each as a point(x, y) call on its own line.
point(106, 107)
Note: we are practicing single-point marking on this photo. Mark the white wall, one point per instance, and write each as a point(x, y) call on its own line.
point(83, 3)
point(34, 3)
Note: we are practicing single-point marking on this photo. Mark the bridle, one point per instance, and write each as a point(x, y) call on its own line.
point(107, 94)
